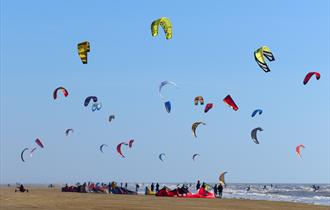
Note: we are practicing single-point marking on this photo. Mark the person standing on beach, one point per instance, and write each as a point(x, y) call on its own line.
point(137, 188)
point(215, 189)
point(220, 189)
point(198, 185)
point(126, 185)
point(157, 187)
point(152, 187)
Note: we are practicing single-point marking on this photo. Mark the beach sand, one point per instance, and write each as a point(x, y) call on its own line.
point(44, 198)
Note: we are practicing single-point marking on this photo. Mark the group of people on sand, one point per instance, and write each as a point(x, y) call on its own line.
point(217, 188)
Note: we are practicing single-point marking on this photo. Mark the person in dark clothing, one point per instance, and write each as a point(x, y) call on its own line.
point(198, 185)
point(137, 186)
point(203, 185)
point(157, 187)
point(21, 189)
point(109, 187)
point(248, 188)
point(152, 187)
point(215, 189)
point(220, 189)
point(126, 185)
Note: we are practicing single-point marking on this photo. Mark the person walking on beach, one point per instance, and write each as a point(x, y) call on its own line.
point(152, 187)
point(157, 187)
point(198, 185)
point(220, 189)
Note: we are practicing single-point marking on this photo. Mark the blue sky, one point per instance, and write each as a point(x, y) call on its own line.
point(210, 54)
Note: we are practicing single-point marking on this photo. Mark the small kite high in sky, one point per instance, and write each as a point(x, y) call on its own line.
point(259, 56)
point(83, 50)
point(62, 89)
point(309, 75)
point(165, 23)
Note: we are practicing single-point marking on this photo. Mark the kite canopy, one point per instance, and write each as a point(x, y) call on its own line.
point(88, 99)
point(194, 127)
point(309, 75)
point(83, 49)
point(208, 107)
point(259, 56)
point(194, 156)
point(130, 143)
point(165, 23)
point(199, 99)
point(161, 156)
point(111, 117)
point(254, 134)
point(22, 154)
point(259, 111)
point(168, 106)
point(298, 149)
point(62, 89)
point(38, 141)
point(165, 83)
point(222, 178)
point(68, 131)
point(101, 147)
point(119, 148)
point(230, 102)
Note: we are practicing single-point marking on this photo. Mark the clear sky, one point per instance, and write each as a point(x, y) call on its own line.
point(210, 54)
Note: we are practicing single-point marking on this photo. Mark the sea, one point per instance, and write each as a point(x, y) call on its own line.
point(300, 193)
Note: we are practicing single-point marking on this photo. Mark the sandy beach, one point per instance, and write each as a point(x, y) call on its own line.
point(43, 198)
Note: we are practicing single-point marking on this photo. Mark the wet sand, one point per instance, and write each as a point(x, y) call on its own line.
point(43, 198)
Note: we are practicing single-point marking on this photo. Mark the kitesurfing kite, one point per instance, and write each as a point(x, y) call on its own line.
point(310, 74)
point(168, 106)
point(254, 134)
point(32, 151)
point(194, 156)
point(222, 178)
point(111, 117)
point(162, 84)
point(88, 99)
point(38, 141)
point(101, 147)
point(165, 23)
point(62, 89)
point(96, 106)
point(298, 149)
point(68, 131)
point(83, 49)
point(194, 127)
point(230, 102)
point(22, 154)
point(259, 56)
point(161, 155)
point(119, 148)
point(208, 107)
point(199, 99)
point(130, 143)
point(259, 111)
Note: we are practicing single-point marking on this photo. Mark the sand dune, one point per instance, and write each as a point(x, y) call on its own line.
point(43, 198)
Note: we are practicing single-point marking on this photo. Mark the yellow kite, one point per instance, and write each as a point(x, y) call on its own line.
point(259, 56)
point(83, 49)
point(165, 23)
